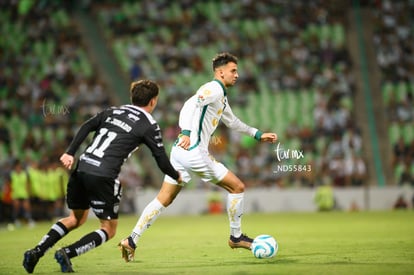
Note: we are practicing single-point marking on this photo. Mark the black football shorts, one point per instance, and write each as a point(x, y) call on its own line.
point(102, 194)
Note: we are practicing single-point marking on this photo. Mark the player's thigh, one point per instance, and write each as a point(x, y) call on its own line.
point(76, 218)
point(231, 183)
point(104, 196)
point(208, 168)
point(80, 214)
point(179, 159)
point(77, 197)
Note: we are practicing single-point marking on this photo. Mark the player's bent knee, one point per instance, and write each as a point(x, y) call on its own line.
point(239, 188)
point(168, 193)
point(110, 230)
point(166, 200)
point(232, 183)
point(71, 222)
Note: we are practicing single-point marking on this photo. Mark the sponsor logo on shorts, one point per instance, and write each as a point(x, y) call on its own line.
point(97, 211)
point(97, 202)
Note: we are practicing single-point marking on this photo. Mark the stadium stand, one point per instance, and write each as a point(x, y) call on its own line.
point(394, 40)
point(294, 71)
point(296, 78)
point(47, 85)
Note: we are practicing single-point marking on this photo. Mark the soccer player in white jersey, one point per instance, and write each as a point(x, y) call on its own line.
point(198, 120)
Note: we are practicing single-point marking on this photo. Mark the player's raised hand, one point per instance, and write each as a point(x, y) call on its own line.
point(67, 160)
point(269, 137)
point(184, 142)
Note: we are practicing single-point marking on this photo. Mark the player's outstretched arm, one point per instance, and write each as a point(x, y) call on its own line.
point(269, 137)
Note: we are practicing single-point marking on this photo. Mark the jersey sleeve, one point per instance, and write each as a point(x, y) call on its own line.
point(88, 126)
point(234, 123)
point(153, 139)
point(187, 113)
point(205, 95)
point(208, 93)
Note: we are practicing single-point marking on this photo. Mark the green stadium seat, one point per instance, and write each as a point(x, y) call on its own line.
point(120, 53)
point(18, 131)
point(61, 18)
point(398, 170)
point(60, 134)
point(401, 91)
point(387, 92)
point(412, 168)
point(320, 144)
point(85, 65)
point(394, 132)
point(338, 34)
point(324, 33)
point(3, 92)
point(408, 132)
point(347, 103)
point(4, 152)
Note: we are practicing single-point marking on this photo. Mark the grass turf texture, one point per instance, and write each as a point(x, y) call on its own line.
point(309, 243)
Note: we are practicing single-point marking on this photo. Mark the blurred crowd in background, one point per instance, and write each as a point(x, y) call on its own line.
point(296, 78)
point(394, 42)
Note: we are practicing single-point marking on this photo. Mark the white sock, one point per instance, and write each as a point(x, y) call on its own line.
point(147, 218)
point(235, 212)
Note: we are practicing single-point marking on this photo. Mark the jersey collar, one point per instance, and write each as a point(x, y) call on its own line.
point(222, 86)
point(139, 109)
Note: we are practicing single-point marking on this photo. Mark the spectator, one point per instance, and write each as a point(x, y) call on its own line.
point(406, 177)
point(6, 204)
point(400, 203)
point(400, 151)
point(324, 197)
point(4, 133)
point(20, 193)
point(135, 71)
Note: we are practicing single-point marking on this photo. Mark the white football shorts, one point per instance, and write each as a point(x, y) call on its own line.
point(197, 161)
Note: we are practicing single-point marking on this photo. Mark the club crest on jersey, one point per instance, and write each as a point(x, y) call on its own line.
point(200, 98)
point(116, 208)
point(203, 96)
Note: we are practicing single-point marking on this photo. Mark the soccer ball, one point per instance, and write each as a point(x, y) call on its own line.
point(264, 246)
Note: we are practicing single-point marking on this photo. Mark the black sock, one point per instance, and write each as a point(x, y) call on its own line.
point(56, 232)
point(86, 243)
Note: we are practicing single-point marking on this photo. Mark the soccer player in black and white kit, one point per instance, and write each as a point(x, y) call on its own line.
point(118, 131)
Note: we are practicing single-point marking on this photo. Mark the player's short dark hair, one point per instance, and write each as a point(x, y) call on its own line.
point(222, 59)
point(142, 91)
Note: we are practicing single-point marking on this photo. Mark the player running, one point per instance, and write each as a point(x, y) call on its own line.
point(118, 131)
point(198, 120)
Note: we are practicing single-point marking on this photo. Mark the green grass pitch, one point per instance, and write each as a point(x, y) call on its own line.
point(309, 243)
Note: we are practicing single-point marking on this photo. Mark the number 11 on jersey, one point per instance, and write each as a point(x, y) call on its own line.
point(101, 142)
